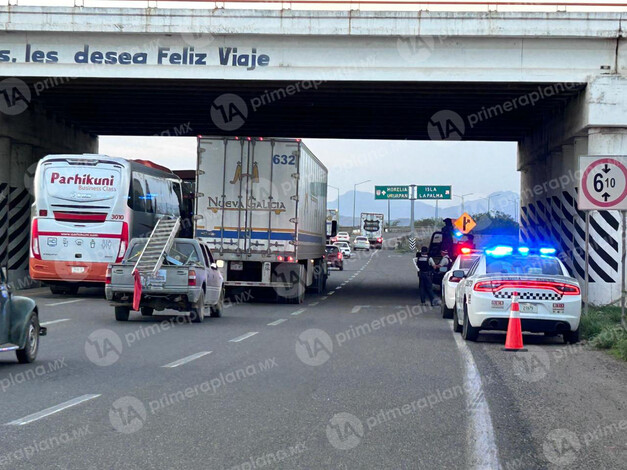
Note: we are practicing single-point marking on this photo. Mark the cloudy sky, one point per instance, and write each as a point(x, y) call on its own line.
point(470, 167)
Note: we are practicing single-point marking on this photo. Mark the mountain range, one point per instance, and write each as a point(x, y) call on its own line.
point(503, 201)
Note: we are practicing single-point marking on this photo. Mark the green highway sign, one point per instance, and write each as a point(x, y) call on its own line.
point(391, 192)
point(433, 192)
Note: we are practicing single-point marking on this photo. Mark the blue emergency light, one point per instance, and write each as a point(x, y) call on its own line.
point(500, 250)
point(547, 251)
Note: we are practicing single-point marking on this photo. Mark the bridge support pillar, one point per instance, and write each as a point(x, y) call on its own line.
point(606, 226)
point(20, 200)
point(24, 140)
point(550, 216)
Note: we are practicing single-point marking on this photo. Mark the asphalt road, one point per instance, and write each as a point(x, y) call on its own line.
point(361, 377)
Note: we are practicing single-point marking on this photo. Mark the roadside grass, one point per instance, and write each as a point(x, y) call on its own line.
point(601, 327)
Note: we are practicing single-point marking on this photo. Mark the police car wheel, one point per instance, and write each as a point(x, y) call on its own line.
point(571, 337)
point(469, 333)
point(457, 328)
point(446, 312)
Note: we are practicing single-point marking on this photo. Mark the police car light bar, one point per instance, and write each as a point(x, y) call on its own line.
point(500, 250)
point(523, 250)
point(547, 251)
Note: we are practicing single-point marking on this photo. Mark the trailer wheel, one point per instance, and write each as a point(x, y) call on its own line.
point(295, 275)
point(319, 282)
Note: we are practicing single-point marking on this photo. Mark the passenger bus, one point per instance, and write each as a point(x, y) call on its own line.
point(87, 208)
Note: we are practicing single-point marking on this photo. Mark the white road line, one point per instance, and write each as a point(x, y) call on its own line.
point(313, 304)
point(187, 359)
point(325, 297)
point(52, 410)
point(243, 337)
point(298, 312)
point(332, 292)
point(357, 308)
point(277, 322)
point(52, 322)
point(63, 303)
point(482, 450)
point(338, 287)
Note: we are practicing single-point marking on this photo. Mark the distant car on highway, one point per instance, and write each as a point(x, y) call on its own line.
point(188, 280)
point(19, 323)
point(549, 298)
point(343, 237)
point(361, 243)
point(344, 248)
point(449, 282)
point(335, 258)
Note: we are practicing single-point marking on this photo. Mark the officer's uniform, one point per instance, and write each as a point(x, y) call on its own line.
point(424, 276)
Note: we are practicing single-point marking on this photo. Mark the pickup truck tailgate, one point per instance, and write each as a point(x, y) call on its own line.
point(169, 277)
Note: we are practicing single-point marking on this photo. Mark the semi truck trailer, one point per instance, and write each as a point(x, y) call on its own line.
point(261, 206)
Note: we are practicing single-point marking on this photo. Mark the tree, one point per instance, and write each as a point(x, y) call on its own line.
point(495, 223)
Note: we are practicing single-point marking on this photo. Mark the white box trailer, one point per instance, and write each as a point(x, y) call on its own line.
point(372, 227)
point(261, 203)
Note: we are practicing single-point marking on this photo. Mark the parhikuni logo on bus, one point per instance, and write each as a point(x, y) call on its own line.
point(85, 179)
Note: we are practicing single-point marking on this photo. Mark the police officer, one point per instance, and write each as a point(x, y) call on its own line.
point(425, 272)
point(447, 235)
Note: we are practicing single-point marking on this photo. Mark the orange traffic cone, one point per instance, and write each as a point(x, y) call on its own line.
point(514, 341)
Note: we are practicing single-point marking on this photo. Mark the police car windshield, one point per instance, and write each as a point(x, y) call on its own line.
point(519, 264)
point(467, 261)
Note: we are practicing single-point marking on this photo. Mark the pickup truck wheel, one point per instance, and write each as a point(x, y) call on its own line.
point(29, 353)
point(122, 313)
point(197, 314)
point(147, 311)
point(216, 310)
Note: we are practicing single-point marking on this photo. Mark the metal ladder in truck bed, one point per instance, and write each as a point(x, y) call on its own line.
point(158, 246)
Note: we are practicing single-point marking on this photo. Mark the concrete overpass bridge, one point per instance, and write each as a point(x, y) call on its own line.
point(553, 82)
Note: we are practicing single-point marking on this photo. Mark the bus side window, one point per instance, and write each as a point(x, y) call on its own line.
point(151, 201)
point(180, 208)
point(138, 196)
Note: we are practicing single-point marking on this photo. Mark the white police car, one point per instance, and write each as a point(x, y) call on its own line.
point(550, 299)
point(463, 262)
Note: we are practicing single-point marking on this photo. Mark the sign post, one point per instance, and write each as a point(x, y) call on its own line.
point(603, 186)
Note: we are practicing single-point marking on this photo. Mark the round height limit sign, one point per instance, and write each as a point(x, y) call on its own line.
point(603, 183)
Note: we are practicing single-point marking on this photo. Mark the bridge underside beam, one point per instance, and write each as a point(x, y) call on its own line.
point(348, 109)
